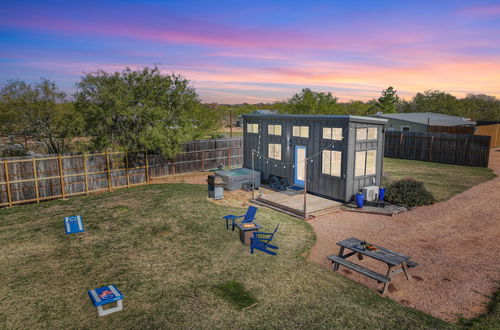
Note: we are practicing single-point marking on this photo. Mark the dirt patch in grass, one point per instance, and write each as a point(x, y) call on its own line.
point(455, 243)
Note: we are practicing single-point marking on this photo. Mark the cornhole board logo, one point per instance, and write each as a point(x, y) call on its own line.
point(106, 294)
point(73, 224)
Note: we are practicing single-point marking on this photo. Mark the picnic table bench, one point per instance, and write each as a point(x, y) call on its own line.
point(396, 262)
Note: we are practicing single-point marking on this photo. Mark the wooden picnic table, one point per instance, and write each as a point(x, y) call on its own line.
point(396, 262)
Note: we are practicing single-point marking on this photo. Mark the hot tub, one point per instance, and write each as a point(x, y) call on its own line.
point(236, 178)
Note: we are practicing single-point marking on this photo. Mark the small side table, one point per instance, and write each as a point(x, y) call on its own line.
point(106, 295)
point(246, 233)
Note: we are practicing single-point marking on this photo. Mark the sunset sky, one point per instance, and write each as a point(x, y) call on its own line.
point(261, 51)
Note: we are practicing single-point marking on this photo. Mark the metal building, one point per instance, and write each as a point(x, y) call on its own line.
point(345, 152)
point(423, 121)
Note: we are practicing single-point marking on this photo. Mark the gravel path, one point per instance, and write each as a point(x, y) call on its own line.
point(455, 242)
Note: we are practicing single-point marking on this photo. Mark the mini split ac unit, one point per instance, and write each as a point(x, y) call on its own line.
point(370, 193)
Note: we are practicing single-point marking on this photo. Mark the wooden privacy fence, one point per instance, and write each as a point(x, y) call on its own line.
point(199, 156)
point(457, 149)
point(48, 177)
point(451, 129)
point(490, 130)
point(35, 179)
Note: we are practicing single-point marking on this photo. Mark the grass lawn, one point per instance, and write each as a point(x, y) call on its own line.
point(166, 248)
point(442, 180)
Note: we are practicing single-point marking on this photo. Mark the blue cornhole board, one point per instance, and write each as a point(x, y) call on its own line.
point(105, 295)
point(73, 224)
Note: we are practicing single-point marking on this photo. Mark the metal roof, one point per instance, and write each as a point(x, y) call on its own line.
point(265, 112)
point(360, 119)
point(428, 118)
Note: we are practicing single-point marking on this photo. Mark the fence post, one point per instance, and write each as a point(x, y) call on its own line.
point(229, 157)
point(202, 161)
point(7, 181)
point(147, 166)
point(126, 169)
point(496, 137)
point(61, 176)
point(430, 148)
point(466, 158)
point(400, 144)
point(108, 170)
point(85, 173)
point(35, 177)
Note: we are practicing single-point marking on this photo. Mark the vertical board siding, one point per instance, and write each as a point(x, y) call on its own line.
point(339, 188)
point(457, 149)
point(364, 145)
point(490, 130)
point(451, 129)
point(106, 171)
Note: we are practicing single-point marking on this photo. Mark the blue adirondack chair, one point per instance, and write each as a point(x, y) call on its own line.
point(262, 243)
point(248, 217)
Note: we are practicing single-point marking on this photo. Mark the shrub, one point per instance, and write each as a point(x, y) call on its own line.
point(409, 192)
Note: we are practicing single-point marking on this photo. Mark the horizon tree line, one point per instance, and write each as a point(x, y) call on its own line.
point(137, 110)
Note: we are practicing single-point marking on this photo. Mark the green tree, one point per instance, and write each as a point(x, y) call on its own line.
point(436, 101)
point(480, 107)
point(311, 103)
point(357, 108)
point(39, 111)
point(406, 106)
point(142, 110)
point(389, 100)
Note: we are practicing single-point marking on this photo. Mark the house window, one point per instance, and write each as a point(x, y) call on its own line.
point(252, 128)
point(274, 151)
point(372, 133)
point(366, 163)
point(331, 162)
point(361, 134)
point(274, 129)
point(405, 128)
point(330, 133)
point(371, 160)
point(301, 131)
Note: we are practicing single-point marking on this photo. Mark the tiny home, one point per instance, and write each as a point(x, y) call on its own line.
point(345, 153)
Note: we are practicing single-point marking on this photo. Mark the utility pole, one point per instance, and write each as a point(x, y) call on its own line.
point(230, 122)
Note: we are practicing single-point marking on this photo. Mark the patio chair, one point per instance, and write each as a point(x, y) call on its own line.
point(248, 217)
point(262, 243)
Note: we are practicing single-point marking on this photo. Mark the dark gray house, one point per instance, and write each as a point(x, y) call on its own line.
point(422, 121)
point(346, 152)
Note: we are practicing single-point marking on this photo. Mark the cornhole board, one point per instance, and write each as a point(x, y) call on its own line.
point(73, 224)
point(106, 295)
